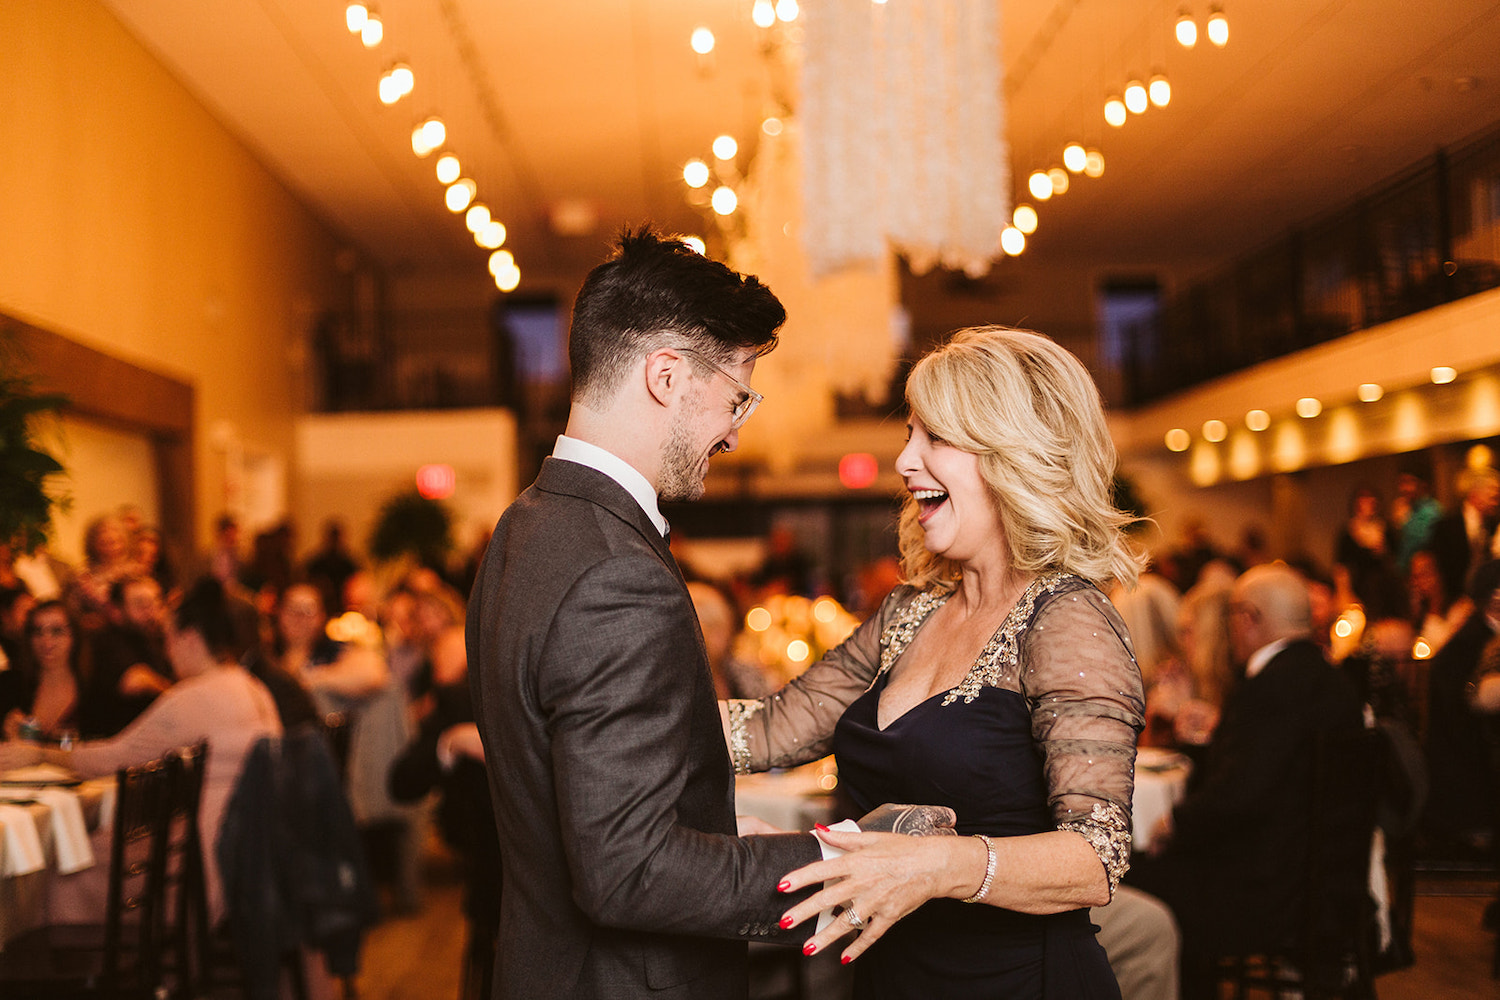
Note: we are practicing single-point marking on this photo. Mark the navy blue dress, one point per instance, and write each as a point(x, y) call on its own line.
point(1039, 736)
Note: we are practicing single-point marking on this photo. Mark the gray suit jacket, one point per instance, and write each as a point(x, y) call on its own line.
point(613, 792)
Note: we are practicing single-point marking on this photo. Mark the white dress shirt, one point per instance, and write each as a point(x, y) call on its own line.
point(630, 479)
point(1263, 655)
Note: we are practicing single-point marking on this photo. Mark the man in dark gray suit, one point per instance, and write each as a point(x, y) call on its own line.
point(613, 791)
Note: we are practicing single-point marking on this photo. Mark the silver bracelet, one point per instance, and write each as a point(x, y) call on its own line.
point(989, 871)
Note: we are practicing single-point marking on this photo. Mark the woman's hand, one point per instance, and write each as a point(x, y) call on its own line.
point(882, 878)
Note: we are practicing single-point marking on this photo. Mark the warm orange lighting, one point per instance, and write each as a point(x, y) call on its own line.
point(1257, 420)
point(1442, 375)
point(1024, 218)
point(1040, 185)
point(1187, 30)
point(702, 41)
point(1308, 407)
point(757, 619)
point(1136, 98)
point(1178, 439)
point(1114, 111)
point(1370, 392)
point(1215, 430)
point(1012, 241)
point(1075, 157)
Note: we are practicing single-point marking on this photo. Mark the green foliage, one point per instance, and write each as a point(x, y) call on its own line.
point(411, 524)
point(25, 505)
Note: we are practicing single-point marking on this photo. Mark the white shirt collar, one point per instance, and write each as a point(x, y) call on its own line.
point(628, 476)
point(1264, 655)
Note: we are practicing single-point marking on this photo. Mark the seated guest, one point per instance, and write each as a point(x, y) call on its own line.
point(1187, 694)
point(43, 698)
point(130, 659)
point(447, 755)
point(107, 559)
point(216, 700)
point(1232, 868)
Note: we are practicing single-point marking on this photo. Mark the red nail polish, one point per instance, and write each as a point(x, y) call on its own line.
point(820, 826)
point(809, 948)
point(845, 959)
point(784, 885)
point(786, 922)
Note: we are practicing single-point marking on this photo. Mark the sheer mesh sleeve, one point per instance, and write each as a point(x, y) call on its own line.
point(795, 725)
point(1081, 678)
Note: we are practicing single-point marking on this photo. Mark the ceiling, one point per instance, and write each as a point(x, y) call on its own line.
point(589, 108)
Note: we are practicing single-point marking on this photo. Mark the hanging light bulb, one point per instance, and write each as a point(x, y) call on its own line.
point(699, 247)
point(1040, 185)
point(1058, 177)
point(772, 126)
point(428, 136)
point(1160, 90)
point(1135, 97)
point(508, 279)
point(404, 77)
point(1012, 241)
point(501, 260)
point(1218, 27)
point(491, 234)
point(1024, 218)
point(389, 90)
point(724, 200)
point(1114, 111)
point(725, 147)
point(1073, 157)
point(448, 168)
point(476, 217)
point(763, 13)
point(355, 16)
point(787, 10)
point(1093, 163)
point(372, 31)
point(1187, 30)
point(695, 173)
point(702, 41)
point(460, 194)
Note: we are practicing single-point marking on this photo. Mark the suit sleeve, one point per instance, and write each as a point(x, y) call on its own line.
point(617, 683)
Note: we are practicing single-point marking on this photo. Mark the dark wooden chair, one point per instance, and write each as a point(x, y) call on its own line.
point(1330, 950)
point(129, 954)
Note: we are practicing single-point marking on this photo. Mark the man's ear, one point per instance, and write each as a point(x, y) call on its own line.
point(666, 375)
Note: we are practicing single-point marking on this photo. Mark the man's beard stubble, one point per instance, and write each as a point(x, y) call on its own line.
point(680, 464)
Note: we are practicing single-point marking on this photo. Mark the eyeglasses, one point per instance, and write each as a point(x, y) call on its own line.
point(745, 406)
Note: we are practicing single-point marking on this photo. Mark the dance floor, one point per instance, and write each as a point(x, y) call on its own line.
point(416, 957)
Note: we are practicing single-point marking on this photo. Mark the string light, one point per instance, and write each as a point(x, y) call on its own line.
point(1058, 177)
point(491, 234)
point(460, 194)
point(1074, 157)
point(724, 200)
point(1218, 27)
point(508, 279)
point(725, 147)
point(1114, 111)
point(396, 83)
point(428, 136)
point(1187, 30)
point(1012, 241)
point(1040, 185)
point(372, 31)
point(477, 217)
point(695, 173)
point(448, 169)
point(1024, 218)
point(787, 10)
point(772, 126)
point(702, 41)
point(1135, 97)
point(763, 13)
point(699, 247)
point(1093, 163)
point(355, 16)
point(1160, 91)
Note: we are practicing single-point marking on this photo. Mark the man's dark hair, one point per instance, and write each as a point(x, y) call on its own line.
point(654, 292)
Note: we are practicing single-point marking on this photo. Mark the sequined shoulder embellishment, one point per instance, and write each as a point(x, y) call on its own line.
point(1000, 658)
point(902, 628)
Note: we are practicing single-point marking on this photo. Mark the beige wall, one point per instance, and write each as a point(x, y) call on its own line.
point(132, 222)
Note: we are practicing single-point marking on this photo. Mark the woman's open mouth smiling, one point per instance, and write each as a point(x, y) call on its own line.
point(928, 501)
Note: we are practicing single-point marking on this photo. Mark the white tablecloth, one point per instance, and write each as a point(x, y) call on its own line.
point(44, 833)
point(1160, 780)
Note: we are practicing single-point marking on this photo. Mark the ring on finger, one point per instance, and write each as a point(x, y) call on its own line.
point(855, 920)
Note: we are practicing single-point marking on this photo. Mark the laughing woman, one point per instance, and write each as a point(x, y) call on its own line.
point(998, 681)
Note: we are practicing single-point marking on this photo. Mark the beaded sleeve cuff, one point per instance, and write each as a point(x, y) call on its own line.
point(740, 714)
point(1107, 829)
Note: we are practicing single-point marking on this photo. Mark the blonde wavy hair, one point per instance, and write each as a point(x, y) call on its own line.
point(1031, 412)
